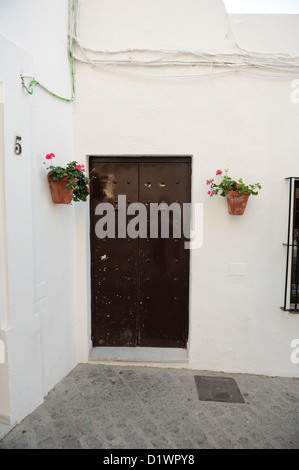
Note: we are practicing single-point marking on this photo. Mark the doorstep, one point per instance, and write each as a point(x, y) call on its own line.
point(138, 354)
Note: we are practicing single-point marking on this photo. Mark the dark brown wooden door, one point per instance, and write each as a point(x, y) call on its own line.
point(140, 285)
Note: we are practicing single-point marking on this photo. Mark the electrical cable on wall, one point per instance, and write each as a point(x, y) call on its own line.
point(280, 69)
point(270, 65)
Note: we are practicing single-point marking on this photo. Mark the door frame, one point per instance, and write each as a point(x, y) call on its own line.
point(123, 158)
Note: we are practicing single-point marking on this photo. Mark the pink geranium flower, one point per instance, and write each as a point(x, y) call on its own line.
point(49, 156)
point(219, 172)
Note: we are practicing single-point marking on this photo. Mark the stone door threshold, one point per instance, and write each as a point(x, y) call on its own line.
point(138, 354)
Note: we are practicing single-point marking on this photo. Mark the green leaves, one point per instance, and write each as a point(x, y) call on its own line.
point(78, 181)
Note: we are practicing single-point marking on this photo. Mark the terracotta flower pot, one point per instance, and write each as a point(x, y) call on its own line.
point(236, 202)
point(60, 195)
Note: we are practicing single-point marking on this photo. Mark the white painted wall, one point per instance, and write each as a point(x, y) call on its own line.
point(4, 307)
point(276, 33)
point(40, 337)
point(246, 123)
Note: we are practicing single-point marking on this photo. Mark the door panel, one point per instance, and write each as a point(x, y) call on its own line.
point(140, 286)
point(163, 261)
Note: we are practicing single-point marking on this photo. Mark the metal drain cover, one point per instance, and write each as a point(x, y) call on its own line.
point(223, 389)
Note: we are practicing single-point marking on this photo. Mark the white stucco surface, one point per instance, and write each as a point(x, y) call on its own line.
point(40, 334)
point(243, 122)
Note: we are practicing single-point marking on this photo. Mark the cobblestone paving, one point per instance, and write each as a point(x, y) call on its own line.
point(117, 407)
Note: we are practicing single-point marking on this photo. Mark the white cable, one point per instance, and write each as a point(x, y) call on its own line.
point(283, 60)
point(210, 60)
point(204, 60)
point(252, 70)
point(192, 77)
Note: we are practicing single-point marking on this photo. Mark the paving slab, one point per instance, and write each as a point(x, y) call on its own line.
point(101, 406)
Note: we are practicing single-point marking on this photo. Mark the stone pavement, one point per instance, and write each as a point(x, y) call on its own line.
point(99, 406)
